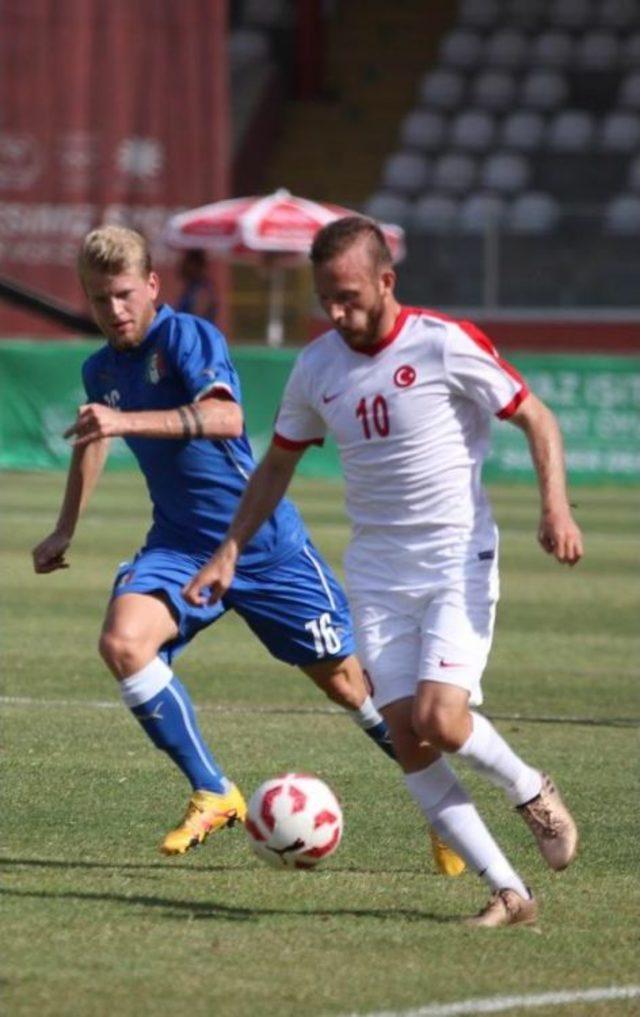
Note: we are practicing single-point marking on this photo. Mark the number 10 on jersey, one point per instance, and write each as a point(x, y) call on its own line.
point(374, 416)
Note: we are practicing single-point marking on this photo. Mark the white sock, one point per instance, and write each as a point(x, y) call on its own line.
point(365, 715)
point(142, 686)
point(454, 817)
point(488, 753)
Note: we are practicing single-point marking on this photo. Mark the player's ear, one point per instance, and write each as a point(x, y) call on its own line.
point(154, 284)
point(387, 280)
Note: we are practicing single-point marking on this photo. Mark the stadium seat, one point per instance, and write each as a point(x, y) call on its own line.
point(247, 46)
point(505, 172)
point(574, 15)
point(634, 175)
point(620, 15)
point(543, 90)
point(533, 213)
point(526, 14)
point(620, 132)
point(506, 48)
point(407, 173)
point(454, 172)
point(597, 51)
point(622, 214)
point(570, 130)
point(630, 51)
point(552, 49)
point(385, 206)
point(493, 91)
point(629, 94)
point(482, 14)
point(522, 130)
point(442, 88)
point(472, 130)
point(480, 211)
point(461, 49)
point(434, 213)
point(423, 130)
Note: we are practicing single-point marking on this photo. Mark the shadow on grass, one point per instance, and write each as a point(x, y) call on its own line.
point(169, 865)
point(199, 910)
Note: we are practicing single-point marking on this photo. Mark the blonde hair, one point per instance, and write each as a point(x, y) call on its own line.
point(113, 249)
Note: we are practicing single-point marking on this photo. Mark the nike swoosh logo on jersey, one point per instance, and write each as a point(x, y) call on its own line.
point(330, 398)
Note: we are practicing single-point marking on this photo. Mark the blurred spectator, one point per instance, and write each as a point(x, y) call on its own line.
point(198, 295)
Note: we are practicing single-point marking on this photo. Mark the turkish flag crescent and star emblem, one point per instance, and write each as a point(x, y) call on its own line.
point(404, 376)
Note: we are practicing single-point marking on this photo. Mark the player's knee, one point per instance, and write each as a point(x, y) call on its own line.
point(441, 727)
point(121, 652)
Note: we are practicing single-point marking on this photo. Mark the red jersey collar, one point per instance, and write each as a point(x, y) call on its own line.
point(386, 340)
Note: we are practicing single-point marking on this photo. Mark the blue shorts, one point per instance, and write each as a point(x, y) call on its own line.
point(297, 608)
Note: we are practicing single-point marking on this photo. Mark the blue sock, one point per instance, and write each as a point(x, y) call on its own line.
point(162, 706)
point(373, 725)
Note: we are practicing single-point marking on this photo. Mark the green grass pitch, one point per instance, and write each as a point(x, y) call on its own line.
point(97, 923)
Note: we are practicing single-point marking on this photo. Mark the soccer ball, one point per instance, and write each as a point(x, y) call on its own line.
point(294, 821)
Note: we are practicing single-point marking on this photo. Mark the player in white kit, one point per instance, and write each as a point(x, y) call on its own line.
point(408, 395)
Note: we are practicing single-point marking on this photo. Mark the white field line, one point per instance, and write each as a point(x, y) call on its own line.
point(498, 1004)
point(113, 704)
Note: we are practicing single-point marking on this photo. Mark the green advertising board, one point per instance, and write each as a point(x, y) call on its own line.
point(596, 399)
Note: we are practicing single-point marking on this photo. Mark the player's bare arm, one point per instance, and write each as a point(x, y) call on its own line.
point(558, 533)
point(264, 491)
point(210, 417)
point(84, 472)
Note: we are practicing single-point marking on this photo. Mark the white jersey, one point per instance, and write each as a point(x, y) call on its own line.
point(411, 419)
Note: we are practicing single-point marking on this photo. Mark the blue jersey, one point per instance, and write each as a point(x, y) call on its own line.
point(195, 485)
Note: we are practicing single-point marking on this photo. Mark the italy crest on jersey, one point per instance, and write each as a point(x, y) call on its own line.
point(155, 368)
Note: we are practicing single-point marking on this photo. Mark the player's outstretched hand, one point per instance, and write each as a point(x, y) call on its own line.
point(49, 554)
point(560, 536)
point(94, 422)
point(212, 581)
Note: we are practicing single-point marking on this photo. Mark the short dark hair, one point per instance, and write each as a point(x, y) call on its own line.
point(341, 234)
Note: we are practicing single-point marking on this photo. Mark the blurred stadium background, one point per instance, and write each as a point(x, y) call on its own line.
point(502, 135)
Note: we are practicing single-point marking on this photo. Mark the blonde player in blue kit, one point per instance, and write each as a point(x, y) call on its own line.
point(165, 383)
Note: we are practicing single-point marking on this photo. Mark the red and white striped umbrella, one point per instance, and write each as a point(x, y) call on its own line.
point(275, 231)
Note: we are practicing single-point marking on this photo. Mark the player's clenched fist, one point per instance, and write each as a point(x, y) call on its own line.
point(94, 422)
point(49, 554)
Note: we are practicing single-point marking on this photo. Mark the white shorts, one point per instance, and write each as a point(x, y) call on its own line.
point(440, 632)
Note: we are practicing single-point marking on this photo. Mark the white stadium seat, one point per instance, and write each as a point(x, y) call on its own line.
point(597, 51)
point(442, 88)
point(571, 14)
point(424, 130)
point(506, 172)
point(478, 13)
point(522, 130)
point(384, 206)
point(552, 49)
point(629, 94)
point(544, 90)
point(622, 214)
point(506, 48)
point(408, 173)
point(620, 132)
point(473, 130)
point(461, 49)
point(454, 173)
point(480, 211)
point(533, 212)
point(434, 213)
point(570, 130)
point(493, 90)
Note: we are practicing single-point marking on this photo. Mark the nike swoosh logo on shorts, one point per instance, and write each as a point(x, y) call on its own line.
point(446, 663)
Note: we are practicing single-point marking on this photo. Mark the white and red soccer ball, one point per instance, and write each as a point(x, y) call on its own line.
point(294, 821)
